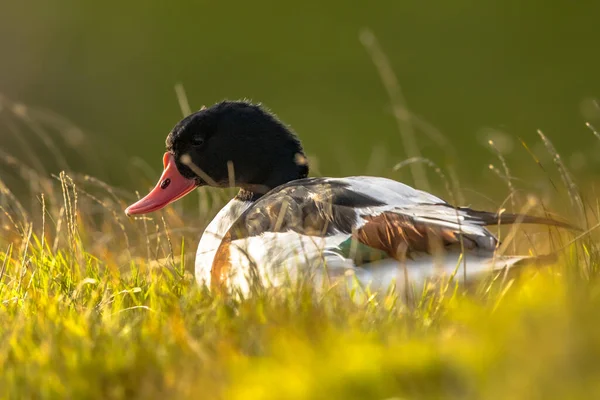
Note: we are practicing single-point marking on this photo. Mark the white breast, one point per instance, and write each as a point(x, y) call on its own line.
point(211, 238)
point(275, 258)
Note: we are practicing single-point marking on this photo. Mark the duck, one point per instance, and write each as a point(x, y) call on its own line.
point(283, 225)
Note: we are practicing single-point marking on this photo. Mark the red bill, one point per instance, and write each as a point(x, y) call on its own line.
point(170, 187)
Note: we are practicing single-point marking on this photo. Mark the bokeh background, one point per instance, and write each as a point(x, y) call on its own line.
point(472, 69)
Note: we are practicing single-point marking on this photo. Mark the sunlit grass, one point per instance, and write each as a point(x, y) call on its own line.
point(94, 305)
point(72, 326)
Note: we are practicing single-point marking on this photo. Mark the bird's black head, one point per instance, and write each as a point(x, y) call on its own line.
point(259, 148)
point(233, 143)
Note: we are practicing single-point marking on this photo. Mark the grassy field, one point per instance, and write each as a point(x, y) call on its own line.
point(94, 305)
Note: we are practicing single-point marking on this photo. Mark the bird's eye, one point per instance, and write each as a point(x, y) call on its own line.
point(198, 141)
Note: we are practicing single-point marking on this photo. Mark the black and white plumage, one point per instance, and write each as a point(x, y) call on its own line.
point(284, 225)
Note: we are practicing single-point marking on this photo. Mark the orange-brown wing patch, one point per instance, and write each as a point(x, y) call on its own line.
point(221, 264)
point(399, 235)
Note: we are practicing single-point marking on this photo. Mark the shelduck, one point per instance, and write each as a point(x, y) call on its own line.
point(285, 225)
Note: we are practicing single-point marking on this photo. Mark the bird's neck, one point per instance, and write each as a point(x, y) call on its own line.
point(277, 176)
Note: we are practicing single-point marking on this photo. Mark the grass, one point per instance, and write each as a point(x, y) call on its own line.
point(93, 305)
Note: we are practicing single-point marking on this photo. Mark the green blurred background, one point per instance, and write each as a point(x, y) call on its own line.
point(470, 68)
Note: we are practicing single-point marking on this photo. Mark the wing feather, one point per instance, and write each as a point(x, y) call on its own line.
point(379, 213)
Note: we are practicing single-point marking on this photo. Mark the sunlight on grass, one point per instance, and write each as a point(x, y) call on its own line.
point(94, 305)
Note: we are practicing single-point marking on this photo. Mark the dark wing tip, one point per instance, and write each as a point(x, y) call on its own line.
point(491, 218)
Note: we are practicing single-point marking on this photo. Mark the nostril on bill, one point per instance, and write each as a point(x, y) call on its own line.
point(165, 184)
